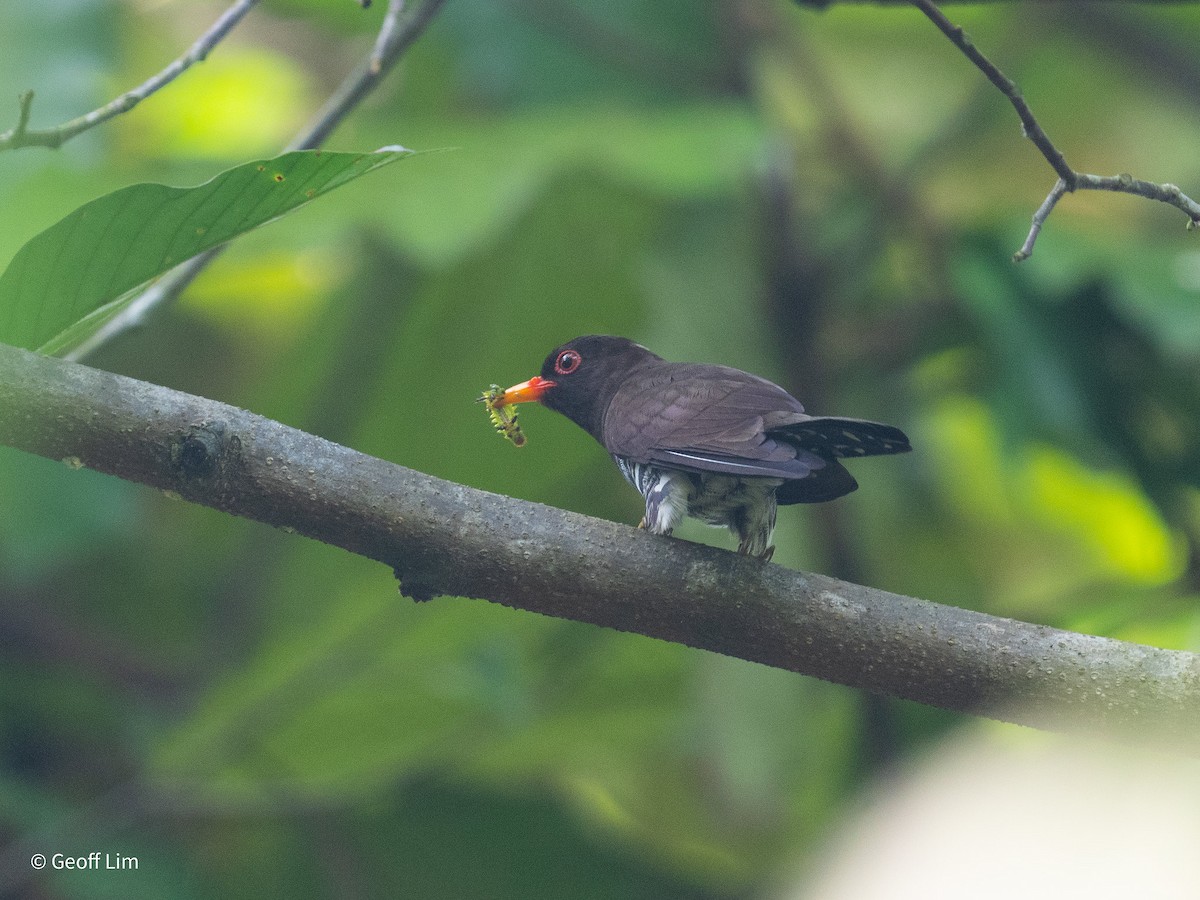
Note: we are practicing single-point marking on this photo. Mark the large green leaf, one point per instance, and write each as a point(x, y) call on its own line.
point(88, 262)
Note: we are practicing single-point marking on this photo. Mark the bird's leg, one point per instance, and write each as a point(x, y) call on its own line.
point(754, 528)
point(666, 501)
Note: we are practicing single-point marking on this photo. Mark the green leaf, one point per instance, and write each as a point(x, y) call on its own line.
point(100, 253)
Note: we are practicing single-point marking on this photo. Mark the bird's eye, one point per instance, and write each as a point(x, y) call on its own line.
point(567, 362)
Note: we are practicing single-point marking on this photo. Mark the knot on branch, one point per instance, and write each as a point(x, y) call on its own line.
point(197, 454)
point(418, 588)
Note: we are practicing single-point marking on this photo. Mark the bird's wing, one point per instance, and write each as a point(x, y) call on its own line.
point(715, 419)
point(708, 419)
point(709, 409)
point(807, 478)
point(701, 461)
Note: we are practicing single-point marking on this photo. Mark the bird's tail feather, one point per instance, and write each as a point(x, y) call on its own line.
point(834, 437)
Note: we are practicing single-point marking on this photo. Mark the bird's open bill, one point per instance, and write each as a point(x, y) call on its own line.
point(527, 391)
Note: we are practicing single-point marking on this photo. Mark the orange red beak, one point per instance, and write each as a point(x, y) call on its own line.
point(528, 391)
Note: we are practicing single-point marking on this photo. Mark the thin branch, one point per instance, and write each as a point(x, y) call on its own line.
point(396, 35)
point(383, 57)
point(24, 106)
point(1039, 219)
point(1124, 184)
point(1068, 179)
point(445, 538)
point(387, 34)
point(1127, 184)
point(1005, 85)
point(57, 136)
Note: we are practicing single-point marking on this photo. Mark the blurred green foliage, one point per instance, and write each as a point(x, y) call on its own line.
point(828, 198)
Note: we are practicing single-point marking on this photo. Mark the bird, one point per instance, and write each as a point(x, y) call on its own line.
point(712, 442)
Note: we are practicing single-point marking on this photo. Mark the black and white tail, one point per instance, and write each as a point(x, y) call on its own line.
point(834, 437)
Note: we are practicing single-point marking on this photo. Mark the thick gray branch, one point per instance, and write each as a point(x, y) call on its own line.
point(445, 538)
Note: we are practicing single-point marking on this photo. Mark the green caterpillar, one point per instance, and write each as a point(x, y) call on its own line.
point(503, 416)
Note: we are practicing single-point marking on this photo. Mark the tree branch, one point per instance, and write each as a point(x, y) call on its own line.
point(1068, 179)
point(1005, 85)
point(395, 36)
point(1039, 219)
point(445, 538)
point(18, 132)
point(21, 136)
point(385, 37)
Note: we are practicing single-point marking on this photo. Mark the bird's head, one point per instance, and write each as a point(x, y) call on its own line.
point(580, 377)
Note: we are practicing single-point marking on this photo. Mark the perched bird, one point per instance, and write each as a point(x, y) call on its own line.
point(711, 442)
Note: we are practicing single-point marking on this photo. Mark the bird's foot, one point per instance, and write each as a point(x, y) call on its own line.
point(744, 550)
point(642, 525)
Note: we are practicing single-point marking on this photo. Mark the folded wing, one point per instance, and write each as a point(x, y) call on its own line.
point(738, 424)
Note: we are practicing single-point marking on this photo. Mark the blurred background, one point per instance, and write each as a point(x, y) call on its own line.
point(829, 198)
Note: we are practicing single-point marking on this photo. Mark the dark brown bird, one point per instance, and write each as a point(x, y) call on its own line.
point(711, 442)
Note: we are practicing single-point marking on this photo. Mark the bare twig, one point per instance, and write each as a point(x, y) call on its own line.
point(387, 34)
point(1039, 219)
point(1068, 179)
point(446, 538)
point(384, 55)
point(21, 136)
point(1127, 184)
point(24, 105)
point(1005, 85)
point(396, 35)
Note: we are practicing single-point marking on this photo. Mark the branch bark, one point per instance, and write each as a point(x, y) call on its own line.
point(446, 538)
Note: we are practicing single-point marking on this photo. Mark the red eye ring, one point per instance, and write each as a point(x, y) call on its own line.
point(567, 362)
